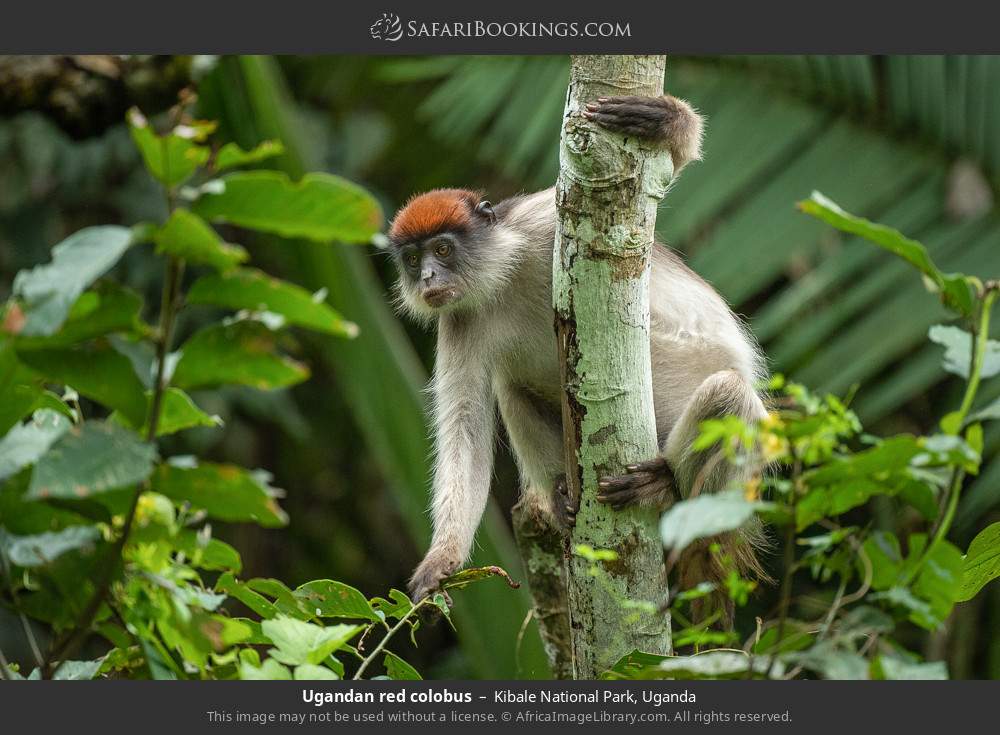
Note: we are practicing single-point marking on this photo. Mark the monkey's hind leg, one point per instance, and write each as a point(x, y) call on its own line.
point(683, 471)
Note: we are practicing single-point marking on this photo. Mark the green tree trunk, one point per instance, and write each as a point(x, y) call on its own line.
point(607, 196)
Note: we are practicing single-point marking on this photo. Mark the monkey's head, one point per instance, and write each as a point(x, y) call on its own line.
point(440, 241)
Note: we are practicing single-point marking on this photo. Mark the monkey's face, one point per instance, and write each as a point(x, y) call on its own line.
point(432, 269)
point(438, 242)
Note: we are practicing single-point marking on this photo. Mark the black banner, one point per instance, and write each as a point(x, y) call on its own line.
point(515, 26)
point(457, 706)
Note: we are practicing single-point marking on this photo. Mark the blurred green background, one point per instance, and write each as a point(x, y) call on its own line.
point(911, 141)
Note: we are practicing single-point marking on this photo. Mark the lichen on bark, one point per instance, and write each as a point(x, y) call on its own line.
point(607, 195)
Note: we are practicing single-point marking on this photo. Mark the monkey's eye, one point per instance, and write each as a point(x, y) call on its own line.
point(443, 250)
point(412, 260)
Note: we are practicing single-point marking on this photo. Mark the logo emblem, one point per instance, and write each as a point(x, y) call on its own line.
point(387, 28)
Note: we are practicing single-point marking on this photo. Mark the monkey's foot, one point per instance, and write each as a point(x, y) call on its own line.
point(644, 117)
point(436, 567)
point(649, 483)
point(564, 506)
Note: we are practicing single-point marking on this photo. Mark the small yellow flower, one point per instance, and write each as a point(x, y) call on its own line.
point(772, 421)
point(773, 446)
point(751, 490)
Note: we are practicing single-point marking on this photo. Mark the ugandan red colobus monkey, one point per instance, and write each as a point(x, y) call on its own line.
point(484, 273)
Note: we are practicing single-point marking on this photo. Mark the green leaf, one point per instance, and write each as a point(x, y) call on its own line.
point(92, 458)
point(981, 564)
point(299, 642)
point(312, 672)
point(709, 665)
point(77, 670)
point(171, 158)
point(398, 669)
point(990, 412)
point(226, 492)
point(957, 345)
point(397, 606)
point(832, 662)
point(270, 670)
point(938, 583)
point(25, 443)
point(43, 548)
point(188, 236)
point(890, 667)
point(48, 291)
point(330, 599)
point(103, 310)
point(319, 207)
point(704, 516)
point(254, 290)
point(883, 553)
point(207, 553)
point(241, 352)
point(231, 155)
point(465, 577)
point(96, 371)
point(177, 413)
point(957, 293)
point(238, 590)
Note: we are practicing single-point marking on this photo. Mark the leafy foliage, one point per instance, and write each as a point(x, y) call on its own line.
point(102, 532)
point(825, 468)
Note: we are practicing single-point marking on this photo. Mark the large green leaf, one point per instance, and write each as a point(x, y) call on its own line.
point(957, 345)
point(49, 291)
point(320, 207)
point(95, 371)
point(298, 642)
point(171, 158)
point(241, 352)
point(92, 458)
point(226, 492)
point(25, 443)
point(981, 564)
point(330, 599)
point(254, 290)
point(704, 516)
point(956, 291)
point(188, 236)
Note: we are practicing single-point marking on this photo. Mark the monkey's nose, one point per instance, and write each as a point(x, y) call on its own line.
point(427, 275)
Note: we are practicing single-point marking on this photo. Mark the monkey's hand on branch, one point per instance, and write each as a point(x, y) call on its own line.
point(649, 484)
point(436, 567)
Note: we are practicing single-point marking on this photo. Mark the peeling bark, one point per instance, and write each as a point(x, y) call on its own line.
point(607, 195)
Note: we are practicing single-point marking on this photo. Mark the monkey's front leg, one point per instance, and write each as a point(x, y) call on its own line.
point(463, 411)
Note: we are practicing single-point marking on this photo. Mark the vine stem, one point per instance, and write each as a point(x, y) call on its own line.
point(385, 639)
point(979, 347)
point(170, 304)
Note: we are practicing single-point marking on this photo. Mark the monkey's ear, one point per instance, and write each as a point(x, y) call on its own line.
point(485, 209)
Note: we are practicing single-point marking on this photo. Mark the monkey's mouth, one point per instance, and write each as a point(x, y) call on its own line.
point(439, 296)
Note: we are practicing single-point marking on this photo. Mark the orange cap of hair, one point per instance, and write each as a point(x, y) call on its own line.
point(439, 210)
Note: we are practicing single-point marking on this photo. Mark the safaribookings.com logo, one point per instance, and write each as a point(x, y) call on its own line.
point(390, 28)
